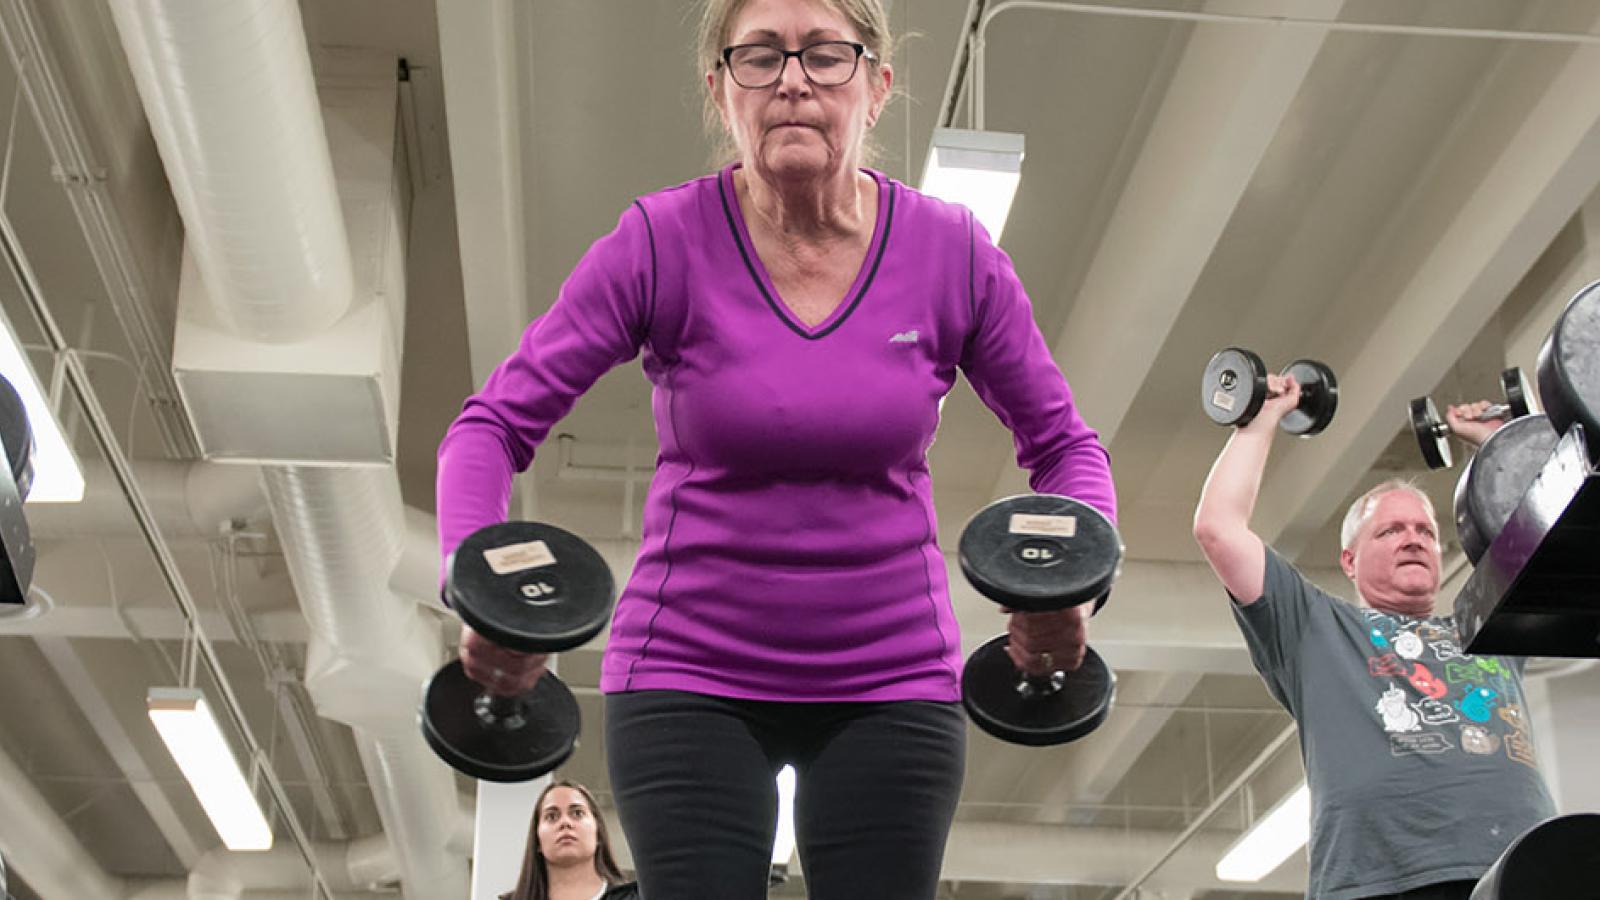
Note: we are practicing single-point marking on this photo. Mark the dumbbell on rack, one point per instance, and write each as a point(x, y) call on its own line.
point(1432, 432)
point(1552, 859)
point(1569, 380)
point(1497, 476)
point(532, 588)
point(1038, 553)
point(1234, 388)
point(16, 478)
point(1525, 599)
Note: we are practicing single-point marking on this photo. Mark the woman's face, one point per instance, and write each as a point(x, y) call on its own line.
point(567, 831)
point(795, 130)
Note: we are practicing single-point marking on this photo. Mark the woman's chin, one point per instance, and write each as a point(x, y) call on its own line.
point(797, 164)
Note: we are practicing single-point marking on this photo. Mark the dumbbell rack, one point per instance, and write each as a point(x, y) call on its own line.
point(1536, 591)
point(16, 546)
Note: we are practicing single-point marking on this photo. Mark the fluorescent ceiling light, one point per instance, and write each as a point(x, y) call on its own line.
point(185, 722)
point(978, 169)
point(56, 476)
point(1269, 842)
point(783, 841)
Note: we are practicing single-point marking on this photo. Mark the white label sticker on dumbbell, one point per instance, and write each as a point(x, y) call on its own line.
point(519, 557)
point(1222, 400)
point(1047, 526)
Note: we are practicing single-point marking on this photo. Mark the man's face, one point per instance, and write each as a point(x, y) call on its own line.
point(1394, 560)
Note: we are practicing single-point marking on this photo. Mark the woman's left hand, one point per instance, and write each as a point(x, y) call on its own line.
point(1044, 642)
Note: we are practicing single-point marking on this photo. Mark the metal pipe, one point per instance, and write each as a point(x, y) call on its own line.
point(86, 185)
point(77, 379)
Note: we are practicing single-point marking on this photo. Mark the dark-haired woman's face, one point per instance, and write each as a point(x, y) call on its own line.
point(567, 831)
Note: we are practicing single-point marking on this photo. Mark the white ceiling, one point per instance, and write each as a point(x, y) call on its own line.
point(1411, 208)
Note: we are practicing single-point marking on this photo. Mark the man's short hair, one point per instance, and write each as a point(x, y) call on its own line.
point(1361, 510)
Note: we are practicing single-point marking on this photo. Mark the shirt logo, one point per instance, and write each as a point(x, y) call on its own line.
point(905, 337)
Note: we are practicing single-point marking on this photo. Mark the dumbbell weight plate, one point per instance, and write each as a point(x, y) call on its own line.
point(1496, 478)
point(1040, 552)
point(1554, 858)
point(530, 587)
point(1234, 386)
point(1569, 367)
point(989, 691)
point(1519, 393)
point(1430, 432)
point(1319, 398)
point(17, 437)
point(540, 738)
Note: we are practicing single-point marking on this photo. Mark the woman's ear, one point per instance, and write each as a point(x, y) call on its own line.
point(881, 93)
point(716, 97)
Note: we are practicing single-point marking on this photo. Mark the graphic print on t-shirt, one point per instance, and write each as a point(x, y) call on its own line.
point(1425, 683)
point(1408, 645)
point(1475, 740)
point(1435, 713)
point(1432, 698)
point(1397, 715)
point(1478, 703)
point(1444, 651)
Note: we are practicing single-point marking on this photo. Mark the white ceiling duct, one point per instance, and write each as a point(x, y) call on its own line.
point(228, 90)
point(189, 499)
point(260, 182)
point(342, 533)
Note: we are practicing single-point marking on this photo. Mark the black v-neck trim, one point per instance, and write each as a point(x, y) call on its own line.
point(772, 302)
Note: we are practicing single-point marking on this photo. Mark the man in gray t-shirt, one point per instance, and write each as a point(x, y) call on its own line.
point(1420, 759)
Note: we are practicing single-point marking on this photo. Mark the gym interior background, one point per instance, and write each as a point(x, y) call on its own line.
point(1407, 192)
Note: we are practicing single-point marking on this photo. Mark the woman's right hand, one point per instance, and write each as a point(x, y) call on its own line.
point(502, 671)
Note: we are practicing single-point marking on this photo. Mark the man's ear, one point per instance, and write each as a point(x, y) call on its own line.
point(1347, 562)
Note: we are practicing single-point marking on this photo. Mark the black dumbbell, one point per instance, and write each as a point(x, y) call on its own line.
point(1569, 380)
point(1038, 553)
point(1495, 479)
point(1432, 432)
point(16, 545)
point(533, 588)
point(1554, 858)
point(1235, 386)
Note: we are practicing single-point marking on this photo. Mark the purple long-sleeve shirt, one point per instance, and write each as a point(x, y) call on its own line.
point(789, 547)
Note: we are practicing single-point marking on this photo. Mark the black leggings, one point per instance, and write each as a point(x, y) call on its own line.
point(693, 777)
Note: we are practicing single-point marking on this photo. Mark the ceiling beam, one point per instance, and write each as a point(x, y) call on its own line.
point(1226, 103)
point(1117, 746)
point(1515, 175)
point(483, 103)
point(107, 725)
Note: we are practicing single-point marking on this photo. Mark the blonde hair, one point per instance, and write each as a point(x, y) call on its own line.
point(866, 17)
point(1361, 510)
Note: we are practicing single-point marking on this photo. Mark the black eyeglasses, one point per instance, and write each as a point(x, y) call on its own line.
point(825, 64)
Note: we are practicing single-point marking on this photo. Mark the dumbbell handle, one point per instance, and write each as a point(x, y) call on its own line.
point(1497, 411)
point(499, 709)
point(1040, 685)
point(1305, 389)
